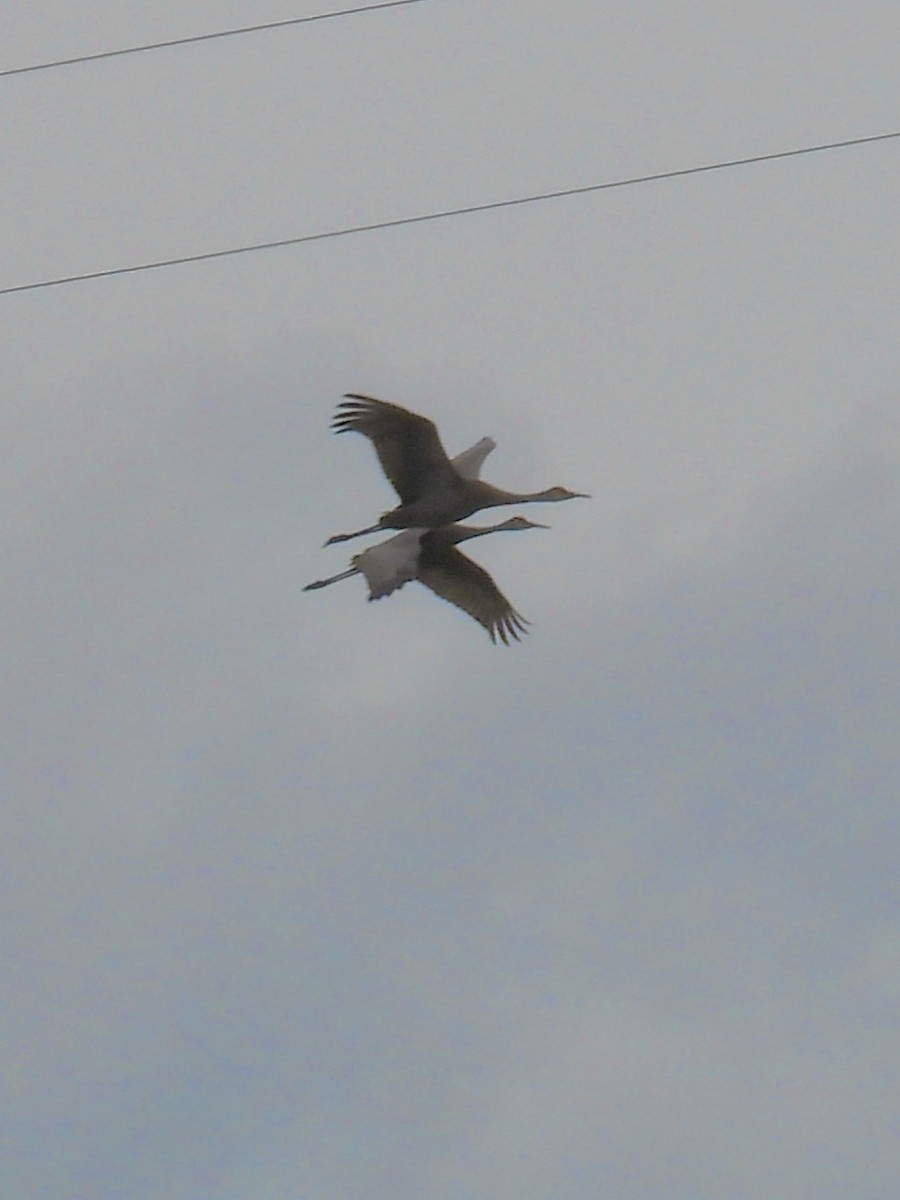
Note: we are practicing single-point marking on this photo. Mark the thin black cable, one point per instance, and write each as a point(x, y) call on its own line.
point(206, 37)
point(450, 212)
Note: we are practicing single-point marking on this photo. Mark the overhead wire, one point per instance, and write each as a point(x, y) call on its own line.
point(206, 37)
point(464, 210)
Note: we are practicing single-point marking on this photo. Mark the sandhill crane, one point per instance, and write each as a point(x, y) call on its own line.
point(432, 491)
point(430, 555)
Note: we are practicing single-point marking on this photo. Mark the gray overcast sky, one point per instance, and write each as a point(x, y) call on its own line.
point(306, 897)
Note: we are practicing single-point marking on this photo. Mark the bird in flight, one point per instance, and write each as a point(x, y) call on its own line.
point(431, 556)
point(432, 490)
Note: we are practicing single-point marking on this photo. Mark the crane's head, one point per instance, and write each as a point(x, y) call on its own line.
point(561, 493)
point(521, 523)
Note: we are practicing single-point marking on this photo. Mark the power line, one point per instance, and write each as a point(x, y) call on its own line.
point(206, 37)
point(450, 212)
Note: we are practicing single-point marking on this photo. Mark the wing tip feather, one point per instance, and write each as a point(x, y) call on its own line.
point(510, 625)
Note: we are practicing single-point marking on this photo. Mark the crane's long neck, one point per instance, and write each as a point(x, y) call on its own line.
point(451, 534)
point(492, 496)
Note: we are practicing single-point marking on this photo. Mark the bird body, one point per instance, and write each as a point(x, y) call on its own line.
point(433, 490)
point(430, 555)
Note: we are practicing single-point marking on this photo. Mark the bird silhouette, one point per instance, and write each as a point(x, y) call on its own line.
point(432, 491)
point(430, 555)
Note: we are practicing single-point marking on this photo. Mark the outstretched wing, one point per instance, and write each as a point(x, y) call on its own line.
point(468, 464)
point(454, 577)
point(407, 445)
point(390, 564)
